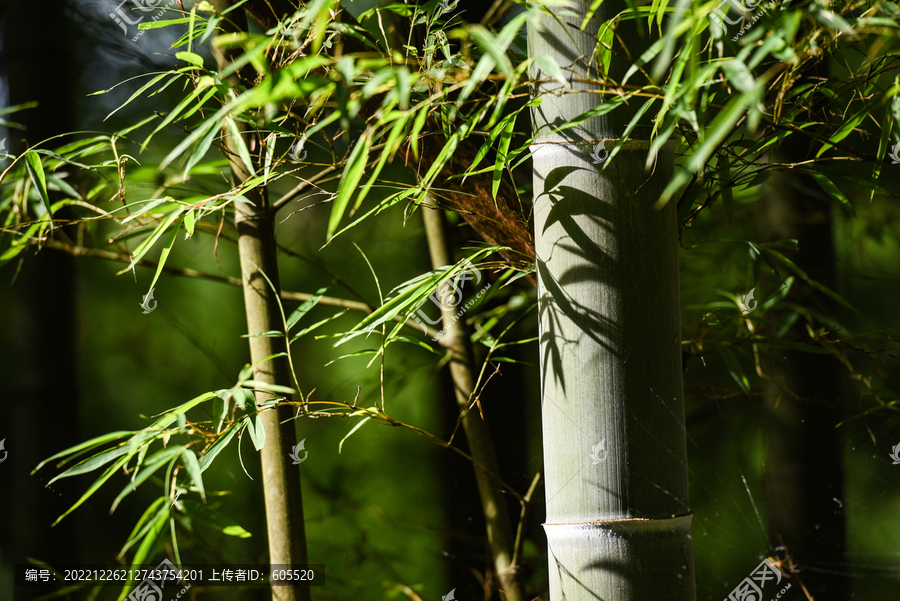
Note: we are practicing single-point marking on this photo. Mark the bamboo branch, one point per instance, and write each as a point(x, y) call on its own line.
point(285, 295)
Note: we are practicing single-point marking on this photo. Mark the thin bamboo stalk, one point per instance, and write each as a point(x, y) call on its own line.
point(255, 222)
point(456, 340)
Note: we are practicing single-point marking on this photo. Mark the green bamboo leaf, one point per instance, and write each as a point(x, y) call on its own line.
point(734, 369)
point(36, 173)
point(306, 331)
point(189, 220)
point(242, 150)
point(140, 91)
point(96, 485)
point(269, 387)
point(417, 129)
point(92, 463)
point(147, 469)
point(142, 248)
point(350, 433)
point(165, 254)
point(193, 469)
point(824, 289)
point(596, 111)
point(84, 446)
point(257, 431)
point(190, 57)
point(303, 309)
point(832, 190)
point(219, 445)
point(502, 151)
point(390, 147)
point(356, 165)
point(144, 523)
point(216, 519)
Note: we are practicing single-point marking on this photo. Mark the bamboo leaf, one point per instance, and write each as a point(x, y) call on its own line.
point(356, 164)
point(350, 433)
point(219, 445)
point(92, 463)
point(96, 485)
point(193, 469)
point(147, 469)
point(36, 173)
point(86, 445)
point(303, 309)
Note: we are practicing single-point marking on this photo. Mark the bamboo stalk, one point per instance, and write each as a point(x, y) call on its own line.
point(615, 455)
point(255, 222)
point(456, 340)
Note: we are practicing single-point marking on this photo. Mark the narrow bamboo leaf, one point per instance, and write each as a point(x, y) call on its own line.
point(153, 463)
point(596, 111)
point(193, 469)
point(306, 331)
point(350, 433)
point(356, 164)
point(169, 416)
point(492, 46)
point(147, 25)
point(96, 485)
point(502, 151)
point(390, 147)
point(269, 387)
point(36, 173)
point(832, 190)
point(174, 113)
point(88, 444)
point(218, 446)
point(145, 550)
point(734, 369)
point(216, 519)
point(303, 309)
point(824, 289)
point(242, 150)
point(417, 129)
point(189, 220)
point(147, 206)
point(190, 57)
point(92, 463)
point(846, 128)
point(142, 249)
point(165, 254)
point(257, 431)
point(140, 91)
point(143, 524)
